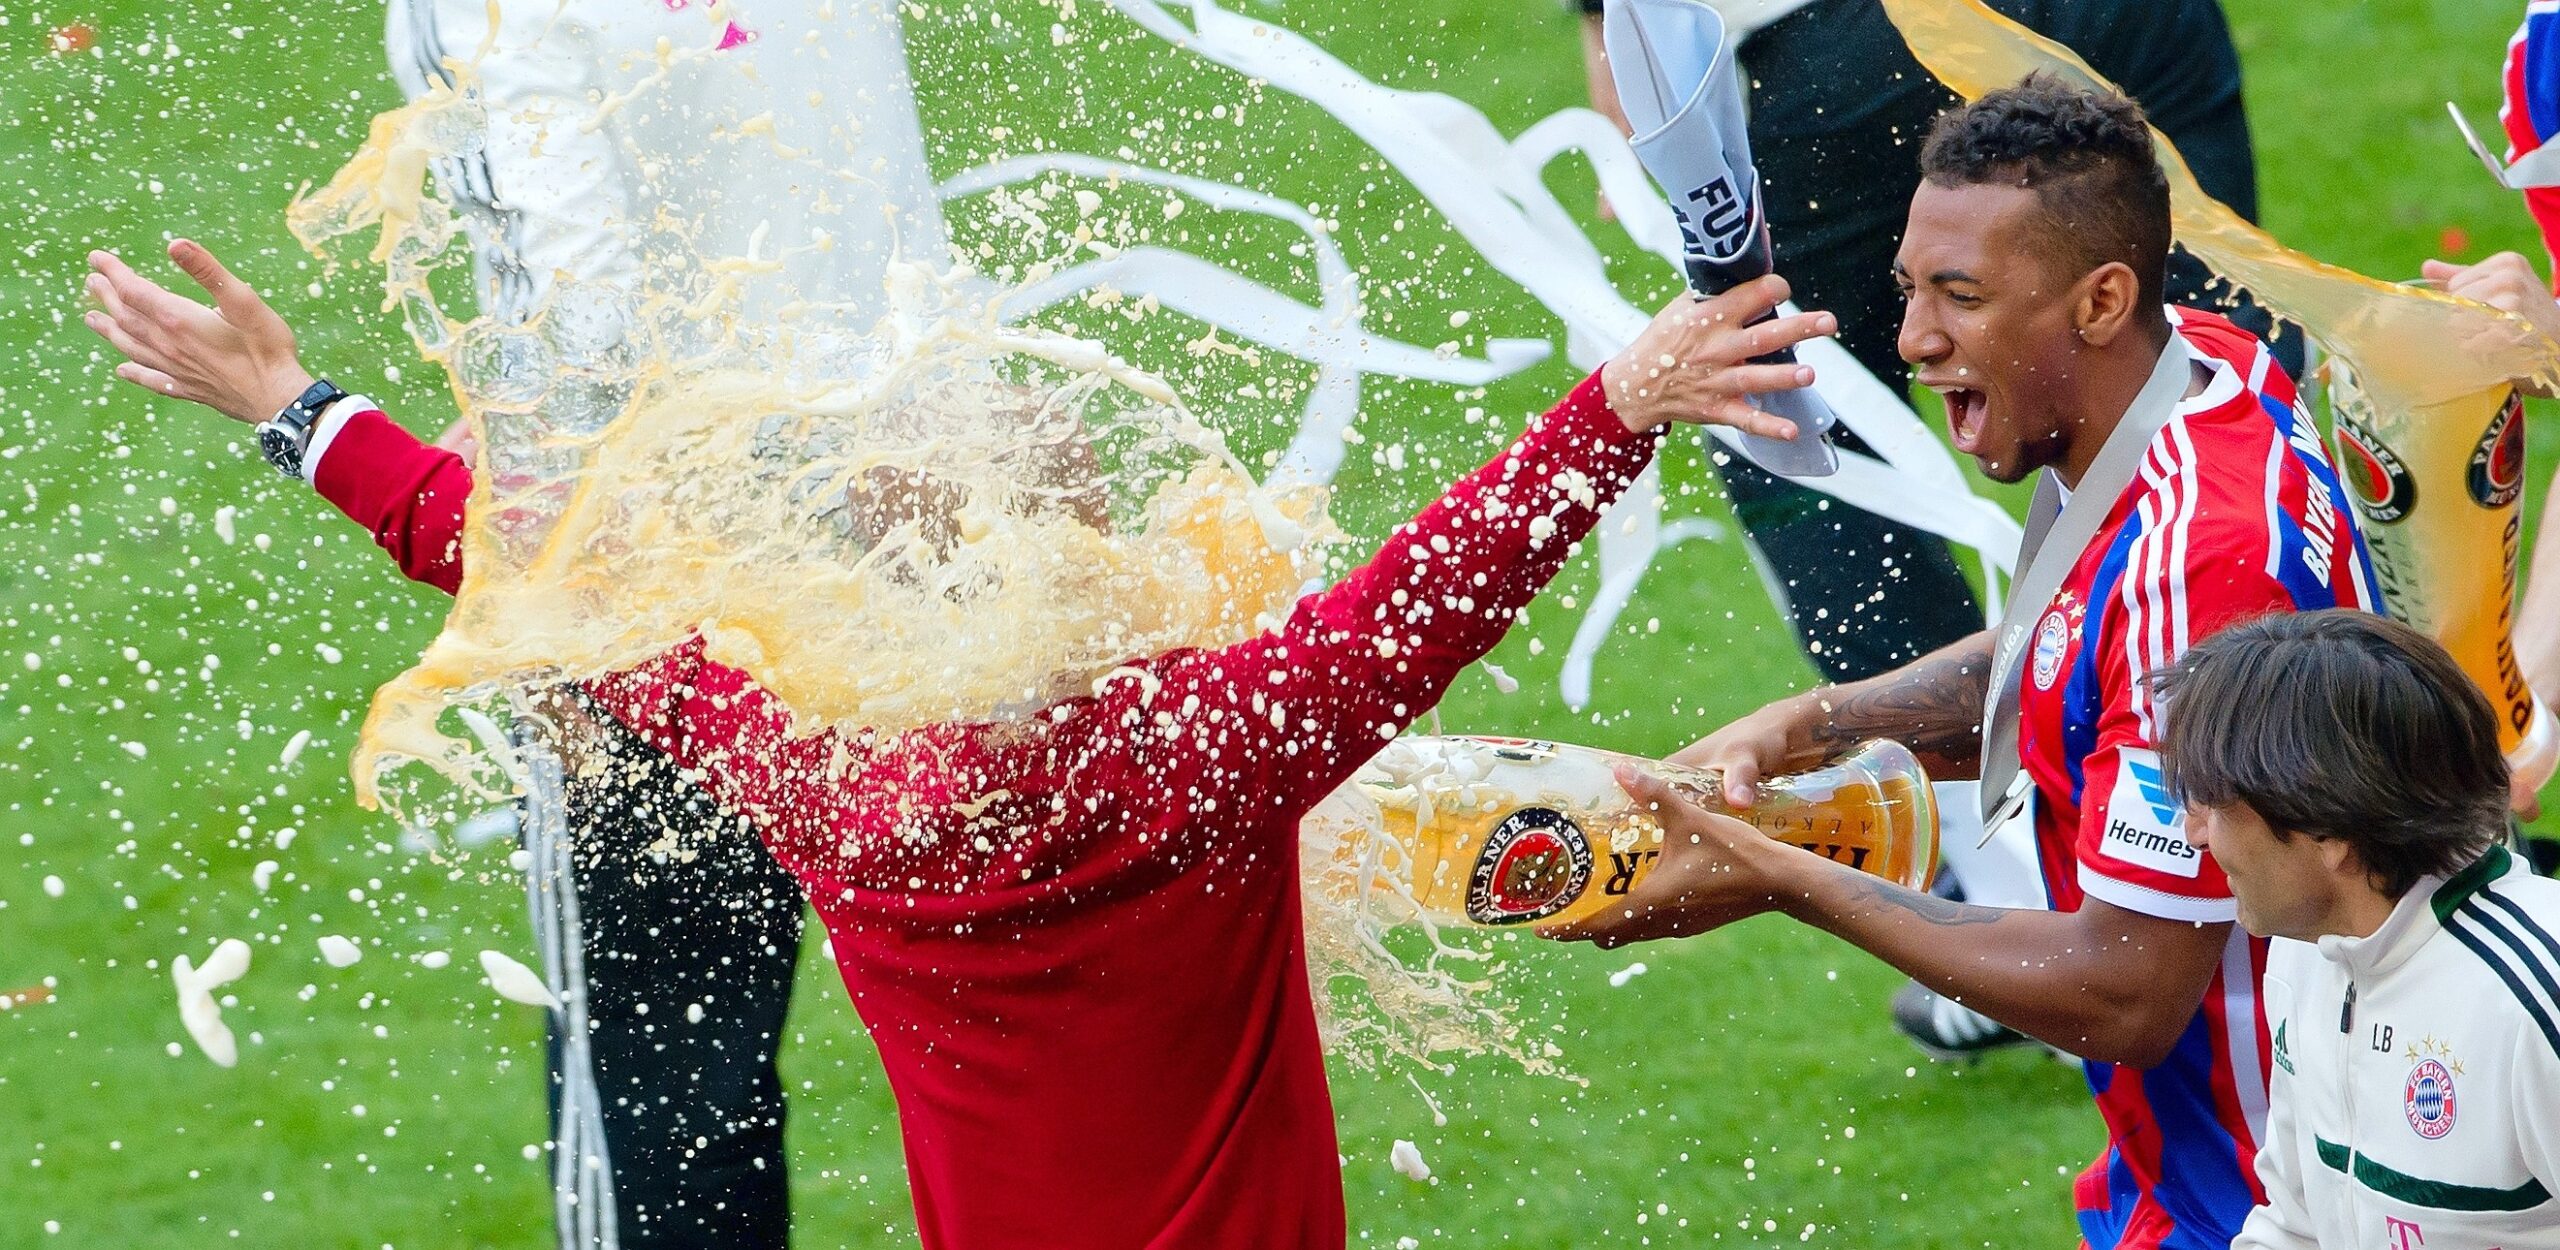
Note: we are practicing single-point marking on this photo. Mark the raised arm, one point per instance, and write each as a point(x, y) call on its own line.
point(1298, 709)
point(240, 359)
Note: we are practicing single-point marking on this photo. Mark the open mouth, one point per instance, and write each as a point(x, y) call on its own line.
point(1967, 412)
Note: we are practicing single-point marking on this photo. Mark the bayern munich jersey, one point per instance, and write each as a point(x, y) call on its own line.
point(2235, 513)
point(2531, 108)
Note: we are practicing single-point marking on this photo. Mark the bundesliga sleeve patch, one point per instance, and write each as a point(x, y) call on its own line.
point(2145, 826)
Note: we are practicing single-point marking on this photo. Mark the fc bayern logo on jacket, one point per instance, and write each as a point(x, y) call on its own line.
point(2428, 1099)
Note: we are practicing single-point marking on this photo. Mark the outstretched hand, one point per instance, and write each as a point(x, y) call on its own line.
point(1714, 870)
point(2506, 282)
point(237, 357)
point(1694, 362)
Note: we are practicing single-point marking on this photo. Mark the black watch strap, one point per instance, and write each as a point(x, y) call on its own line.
point(284, 438)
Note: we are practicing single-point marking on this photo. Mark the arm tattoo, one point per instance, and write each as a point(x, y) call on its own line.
point(1935, 707)
point(1928, 907)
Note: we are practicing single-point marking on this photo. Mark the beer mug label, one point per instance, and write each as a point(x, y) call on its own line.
point(1521, 750)
point(2496, 475)
point(2377, 479)
point(1535, 864)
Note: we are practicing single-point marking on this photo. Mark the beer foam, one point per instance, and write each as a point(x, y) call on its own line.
point(892, 520)
point(930, 516)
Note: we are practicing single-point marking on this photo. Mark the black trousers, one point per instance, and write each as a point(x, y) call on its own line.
point(690, 934)
point(1839, 109)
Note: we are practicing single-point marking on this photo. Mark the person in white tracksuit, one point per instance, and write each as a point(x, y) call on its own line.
point(2346, 775)
point(625, 139)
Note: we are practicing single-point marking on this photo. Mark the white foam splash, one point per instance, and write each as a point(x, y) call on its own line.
point(515, 982)
point(339, 951)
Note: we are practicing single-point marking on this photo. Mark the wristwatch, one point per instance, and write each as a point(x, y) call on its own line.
point(284, 437)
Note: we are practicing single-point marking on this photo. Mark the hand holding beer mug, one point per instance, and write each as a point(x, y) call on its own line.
point(1503, 831)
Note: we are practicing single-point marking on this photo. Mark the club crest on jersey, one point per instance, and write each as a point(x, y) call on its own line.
point(1534, 865)
point(2427, 1099)
point(2496, 475)
point(2053, 640)
point(2383, 490)
point(2145, 825)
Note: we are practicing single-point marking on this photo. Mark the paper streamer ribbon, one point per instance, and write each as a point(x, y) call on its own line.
point(1492, 191)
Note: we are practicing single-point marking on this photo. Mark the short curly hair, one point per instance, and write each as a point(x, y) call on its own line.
point(2088, 157)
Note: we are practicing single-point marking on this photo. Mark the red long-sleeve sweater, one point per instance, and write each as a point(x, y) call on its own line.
point(1077, 940)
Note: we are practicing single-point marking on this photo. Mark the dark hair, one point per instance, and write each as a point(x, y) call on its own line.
point(2339, 724)
point(2086, 155)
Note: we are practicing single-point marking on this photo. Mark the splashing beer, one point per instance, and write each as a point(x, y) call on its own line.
point(1507, 831)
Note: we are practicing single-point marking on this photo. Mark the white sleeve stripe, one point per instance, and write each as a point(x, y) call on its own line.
point(325, 431)
point(2146, 567)
point(2156, 903)
point(2190, 491)
point(2275, 510)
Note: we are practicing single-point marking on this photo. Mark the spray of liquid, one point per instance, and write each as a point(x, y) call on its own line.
point(937, 518)
point(927, 517)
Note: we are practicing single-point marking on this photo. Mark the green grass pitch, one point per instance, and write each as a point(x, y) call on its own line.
point(1746, 1091)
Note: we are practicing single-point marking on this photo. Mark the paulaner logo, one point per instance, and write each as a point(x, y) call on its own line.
point(1535, 864)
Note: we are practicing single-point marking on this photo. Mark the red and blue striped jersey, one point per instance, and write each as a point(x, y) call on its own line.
point(2236, 512)
point(2531, 107)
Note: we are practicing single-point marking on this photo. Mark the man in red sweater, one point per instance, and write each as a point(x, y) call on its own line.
point(1076, 939)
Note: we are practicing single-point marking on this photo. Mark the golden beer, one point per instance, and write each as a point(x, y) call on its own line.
point(1508, 831)
point(2441, 493)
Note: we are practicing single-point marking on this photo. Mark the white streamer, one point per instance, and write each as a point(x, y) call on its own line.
point(1493, 192)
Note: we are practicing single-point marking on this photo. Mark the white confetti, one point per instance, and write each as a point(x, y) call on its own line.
point(264, 874)
point(1406, 1158)
point(339, 951)
point(515, 982)
point(1502, 681)
point(1087, 203)
point(328, 654)
point(1618, 980)
point(225, 525)
point(135, 749)
point(434, 959)
point(52, 886)
point(293, 747)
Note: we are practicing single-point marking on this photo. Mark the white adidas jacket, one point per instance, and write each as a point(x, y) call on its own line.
point(2416, 1075)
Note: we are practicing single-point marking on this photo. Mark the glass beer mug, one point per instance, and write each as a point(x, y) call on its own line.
point(1509, 831)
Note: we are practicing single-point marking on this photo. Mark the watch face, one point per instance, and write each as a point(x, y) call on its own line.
point(281, 448)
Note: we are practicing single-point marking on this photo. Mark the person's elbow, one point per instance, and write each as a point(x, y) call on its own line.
point(2131, 1024)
